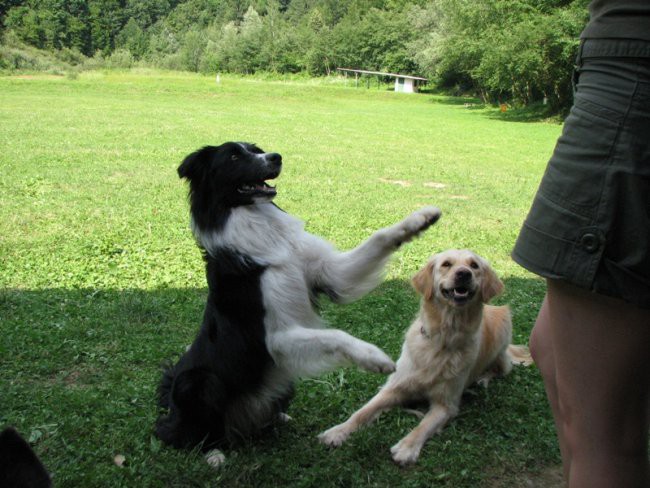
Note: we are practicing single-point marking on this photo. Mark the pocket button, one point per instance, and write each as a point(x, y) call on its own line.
point(590, 242)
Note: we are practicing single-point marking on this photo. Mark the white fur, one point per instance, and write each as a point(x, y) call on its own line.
point(298, 262)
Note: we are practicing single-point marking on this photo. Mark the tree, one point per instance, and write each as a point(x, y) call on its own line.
point(133, 39)
point(106, 21)
point(518, 50)
point(26, 23)
point(5, 6)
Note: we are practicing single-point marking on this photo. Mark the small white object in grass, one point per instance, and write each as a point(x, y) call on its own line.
point(215, 458)
point(119, 460)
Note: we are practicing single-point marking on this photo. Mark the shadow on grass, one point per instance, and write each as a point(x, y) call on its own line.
point(80, 369)
point(536, 112)
point(469, 102)
point(149, 326)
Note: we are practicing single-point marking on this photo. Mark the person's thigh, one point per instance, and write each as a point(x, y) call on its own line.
point(600, 348)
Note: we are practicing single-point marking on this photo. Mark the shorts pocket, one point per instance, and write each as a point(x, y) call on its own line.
point(576, 173)
point(555, 242)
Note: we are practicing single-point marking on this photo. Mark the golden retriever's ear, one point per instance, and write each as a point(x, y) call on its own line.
point(492, 285)
point(423, 281)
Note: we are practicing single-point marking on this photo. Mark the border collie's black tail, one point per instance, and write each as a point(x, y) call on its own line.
point(19, 465)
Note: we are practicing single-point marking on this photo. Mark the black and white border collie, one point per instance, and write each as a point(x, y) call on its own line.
point(261, 329)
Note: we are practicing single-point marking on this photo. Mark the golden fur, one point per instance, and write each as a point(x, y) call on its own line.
point(456, 340)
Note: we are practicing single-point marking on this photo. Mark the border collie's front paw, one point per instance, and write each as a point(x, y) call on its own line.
point(333, 437)
point(417, 222)
point(376, 361)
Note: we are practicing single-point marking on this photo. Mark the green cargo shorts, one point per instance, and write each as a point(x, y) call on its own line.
point(589, 223)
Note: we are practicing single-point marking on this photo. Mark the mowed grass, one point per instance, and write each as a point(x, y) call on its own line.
point(101, 281)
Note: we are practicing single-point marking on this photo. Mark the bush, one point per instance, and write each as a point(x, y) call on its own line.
point(25, 58)
point(121, 58)
point(71, 56)
point(96, 62)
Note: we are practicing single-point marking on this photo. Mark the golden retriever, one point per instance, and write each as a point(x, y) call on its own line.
point(455, 341)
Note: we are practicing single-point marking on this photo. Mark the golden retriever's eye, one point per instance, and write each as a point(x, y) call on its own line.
point(445, 264)
point(473, 265)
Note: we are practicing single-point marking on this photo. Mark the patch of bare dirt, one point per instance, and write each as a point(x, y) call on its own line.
point(433, 184)
point(402, 183)
point(550, 477)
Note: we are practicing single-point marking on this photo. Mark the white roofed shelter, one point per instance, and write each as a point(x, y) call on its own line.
point(403, 83)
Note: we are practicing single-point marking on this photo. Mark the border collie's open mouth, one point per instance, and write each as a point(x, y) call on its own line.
point(257, 188)
point(460, 295)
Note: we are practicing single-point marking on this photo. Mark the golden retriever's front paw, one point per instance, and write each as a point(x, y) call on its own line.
point(334, 437)
point(404, 455)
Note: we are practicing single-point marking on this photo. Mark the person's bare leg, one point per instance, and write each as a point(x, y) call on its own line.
point(602, 379)
point(541, 348)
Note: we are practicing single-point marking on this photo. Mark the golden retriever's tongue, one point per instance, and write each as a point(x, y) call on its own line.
point(461, 292)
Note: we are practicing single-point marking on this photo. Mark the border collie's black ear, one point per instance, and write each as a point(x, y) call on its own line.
point(190, 164)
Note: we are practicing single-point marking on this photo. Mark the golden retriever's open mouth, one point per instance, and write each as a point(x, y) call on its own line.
point(459, 295)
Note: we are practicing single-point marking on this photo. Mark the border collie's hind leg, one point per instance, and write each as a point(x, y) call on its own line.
point(196, 403)
point(284, 406)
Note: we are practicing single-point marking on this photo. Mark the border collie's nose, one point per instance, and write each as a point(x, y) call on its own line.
point(274, 159)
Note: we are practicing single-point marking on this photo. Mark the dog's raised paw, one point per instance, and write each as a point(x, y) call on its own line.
point(416, 223)
point(423, 218)
point(333, 437)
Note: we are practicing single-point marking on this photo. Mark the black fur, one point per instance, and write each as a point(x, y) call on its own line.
point(216, 172)
point(19, 466)
point(228, 361)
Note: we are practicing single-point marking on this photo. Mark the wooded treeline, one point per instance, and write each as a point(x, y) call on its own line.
point(517, 50)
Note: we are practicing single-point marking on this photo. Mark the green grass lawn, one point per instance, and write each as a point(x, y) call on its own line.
point(101, 281)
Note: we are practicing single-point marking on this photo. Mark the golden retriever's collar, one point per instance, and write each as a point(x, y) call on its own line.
point(424, 332)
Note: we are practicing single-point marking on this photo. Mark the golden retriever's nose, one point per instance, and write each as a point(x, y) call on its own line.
point(463, 275)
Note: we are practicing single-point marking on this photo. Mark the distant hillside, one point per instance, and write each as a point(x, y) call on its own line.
point(516, 50)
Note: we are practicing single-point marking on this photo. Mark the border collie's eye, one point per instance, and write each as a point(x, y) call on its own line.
point(473, 265)
point(446, 264)
point(234, 157)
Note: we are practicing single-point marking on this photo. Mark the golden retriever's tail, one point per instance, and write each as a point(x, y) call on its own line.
point(520, 355)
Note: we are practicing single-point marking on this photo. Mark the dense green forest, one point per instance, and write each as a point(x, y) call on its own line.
point(516, 50)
